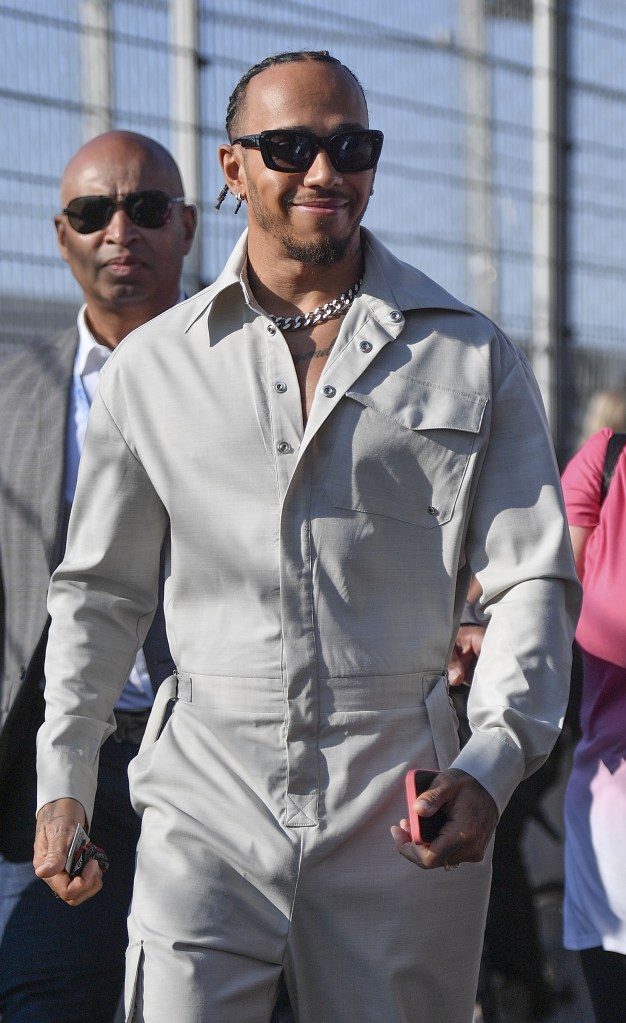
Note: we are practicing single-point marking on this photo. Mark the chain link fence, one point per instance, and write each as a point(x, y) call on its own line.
point(453, 85)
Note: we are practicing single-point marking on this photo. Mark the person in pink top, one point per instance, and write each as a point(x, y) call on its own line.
point(595, 801)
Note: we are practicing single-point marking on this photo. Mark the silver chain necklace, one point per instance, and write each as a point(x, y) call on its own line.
point(336, 307)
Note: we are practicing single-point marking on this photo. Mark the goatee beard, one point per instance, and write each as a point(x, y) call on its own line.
point(325, 252)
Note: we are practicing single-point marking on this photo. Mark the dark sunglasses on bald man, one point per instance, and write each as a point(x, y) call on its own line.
point(151, 209)
point(291, 150)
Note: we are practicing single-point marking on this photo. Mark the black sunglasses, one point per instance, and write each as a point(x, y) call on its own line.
point(289, 150)
point(152, 209)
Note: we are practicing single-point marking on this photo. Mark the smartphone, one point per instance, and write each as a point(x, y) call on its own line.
point(80, 839)
point(424, 830)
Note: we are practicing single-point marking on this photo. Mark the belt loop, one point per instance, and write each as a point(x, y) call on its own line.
point(184, 686)
point(430, 681)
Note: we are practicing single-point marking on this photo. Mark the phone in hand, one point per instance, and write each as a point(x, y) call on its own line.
point(79, 841)
point(424, 830)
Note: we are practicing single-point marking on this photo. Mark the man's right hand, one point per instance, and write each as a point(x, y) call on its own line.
point(465, 654)
point(56, 823)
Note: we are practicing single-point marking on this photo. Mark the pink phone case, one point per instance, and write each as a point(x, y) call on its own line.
point(423, 829)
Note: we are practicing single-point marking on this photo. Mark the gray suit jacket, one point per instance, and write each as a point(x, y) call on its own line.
point(35, 384)
point(34, 394)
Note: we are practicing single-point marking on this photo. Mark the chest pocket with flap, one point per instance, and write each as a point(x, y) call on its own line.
point(401, 447)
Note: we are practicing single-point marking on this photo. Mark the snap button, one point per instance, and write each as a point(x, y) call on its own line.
point(395, 316)
point(271, 329)
point(280, 386)
point(329, 391)
point(366, 346)
point(284, 447)
point(431, 510)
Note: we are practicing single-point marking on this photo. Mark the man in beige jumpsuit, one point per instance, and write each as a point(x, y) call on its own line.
point(326, 493)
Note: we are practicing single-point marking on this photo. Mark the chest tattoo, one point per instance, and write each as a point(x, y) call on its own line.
point(319, 353)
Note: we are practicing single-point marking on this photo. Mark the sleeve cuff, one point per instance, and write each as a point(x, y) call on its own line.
point(495, 763)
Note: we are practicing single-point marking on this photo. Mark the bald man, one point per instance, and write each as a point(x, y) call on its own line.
point(124, 230)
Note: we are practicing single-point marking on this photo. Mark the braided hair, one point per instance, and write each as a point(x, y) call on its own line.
point(237, 100)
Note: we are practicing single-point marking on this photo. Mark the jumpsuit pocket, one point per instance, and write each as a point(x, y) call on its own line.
point(134, 962)
point(443, 722)
point(157, 719)
point(402, 448)
point(140, 766)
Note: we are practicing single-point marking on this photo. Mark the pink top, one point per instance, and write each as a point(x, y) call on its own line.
point(601, 631)
point(602, 626)
point(594, 909)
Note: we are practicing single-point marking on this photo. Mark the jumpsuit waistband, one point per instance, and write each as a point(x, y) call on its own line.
point(347, 693)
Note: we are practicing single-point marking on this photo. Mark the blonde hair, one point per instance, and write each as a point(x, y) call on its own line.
point(605, 408)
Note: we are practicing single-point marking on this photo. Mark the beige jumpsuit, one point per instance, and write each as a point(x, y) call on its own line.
point(316, 578)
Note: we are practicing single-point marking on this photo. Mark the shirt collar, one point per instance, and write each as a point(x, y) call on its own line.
point(388, 283)
point(90, 354)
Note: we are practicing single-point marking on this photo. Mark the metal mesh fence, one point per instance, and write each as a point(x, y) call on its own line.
point(451, 84)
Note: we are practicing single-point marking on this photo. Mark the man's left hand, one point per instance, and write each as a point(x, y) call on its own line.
point(472, 817)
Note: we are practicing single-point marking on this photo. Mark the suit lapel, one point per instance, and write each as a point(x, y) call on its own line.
point(54, 406)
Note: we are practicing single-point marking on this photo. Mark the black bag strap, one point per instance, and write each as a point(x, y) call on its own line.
point(613, 451)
